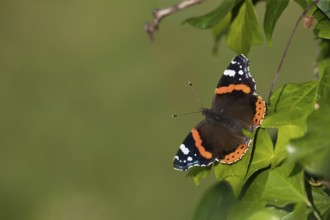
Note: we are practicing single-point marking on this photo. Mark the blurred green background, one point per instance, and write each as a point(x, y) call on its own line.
point(86, 99)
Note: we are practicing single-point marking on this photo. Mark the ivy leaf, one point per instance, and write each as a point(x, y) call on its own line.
point(291, 104)
point(321, 201)
point(274, 9)
point(263, 153)
point(250, 202)
point(300, 211)
point(285, 185)
point(215, 203)
point(324, 50)
point(322, 29)
point(199, 173)
point(324, 6)
point(324, 87)
point(212, 18)
point(322, 65)
point(234, 173)
point(245, 30)
point(302, 3)
point(220, 29)
point(285, 134)
point(313, 150)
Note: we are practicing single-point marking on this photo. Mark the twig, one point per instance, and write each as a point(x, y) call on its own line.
point(159, 14)
point(287, 47)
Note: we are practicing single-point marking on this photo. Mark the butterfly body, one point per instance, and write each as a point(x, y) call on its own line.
point(219, 137)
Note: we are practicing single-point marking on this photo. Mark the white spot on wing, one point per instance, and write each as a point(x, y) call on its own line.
point(229, 73)
point(189, 159)
point(176, 158)
point(184, 149)
point(240, 72)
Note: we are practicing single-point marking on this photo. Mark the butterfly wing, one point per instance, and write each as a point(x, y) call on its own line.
point(237, 102)
point(193, 151)
point(235, 95)
point(208, 143)
point(220, 137)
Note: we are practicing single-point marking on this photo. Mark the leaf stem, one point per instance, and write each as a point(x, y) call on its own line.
point(287, 48)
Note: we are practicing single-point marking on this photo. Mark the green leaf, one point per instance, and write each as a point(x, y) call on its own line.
point(321, 201)
point(199, 173)
point(323, 64)
point(274, 9)
point(215, 202)
point(245, 30)
point(234, 173)
point(263, 153)
point(324, 51)
point(212, 18)
point(250, 202)
point(324, 6)
point(285, 134)
point(300, 211)
point(313, 150)
point(302, 3)
point(322, 29)
point(324, 86)
point(291, 104)
point(220, 30)
point(285, 185)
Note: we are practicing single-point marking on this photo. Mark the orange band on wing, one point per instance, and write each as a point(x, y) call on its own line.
point(198, 143)
point(227, 89)
point(235, 156)
point(260, 112)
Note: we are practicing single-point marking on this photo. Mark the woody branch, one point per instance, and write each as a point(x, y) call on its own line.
point(159, 14)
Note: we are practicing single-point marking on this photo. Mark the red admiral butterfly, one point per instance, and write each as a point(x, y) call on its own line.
point(219, 137)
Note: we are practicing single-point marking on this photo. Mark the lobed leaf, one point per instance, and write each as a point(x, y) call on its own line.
point(291, 104)
point(199, 173)
point(263, 153)
point(285, 185)
point(313, 150)
point(324, 6)
point(284, 135)
point(250, 202)
point(322, 29)
point(234, 173)
point(321, 201)
point(215, 203)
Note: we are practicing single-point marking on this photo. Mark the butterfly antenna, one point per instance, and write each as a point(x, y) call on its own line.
point(195, 93)
point(189, 113)
point(287, 47)
point(198, 100)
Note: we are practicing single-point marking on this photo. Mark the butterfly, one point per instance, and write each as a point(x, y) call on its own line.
point(219, 137)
